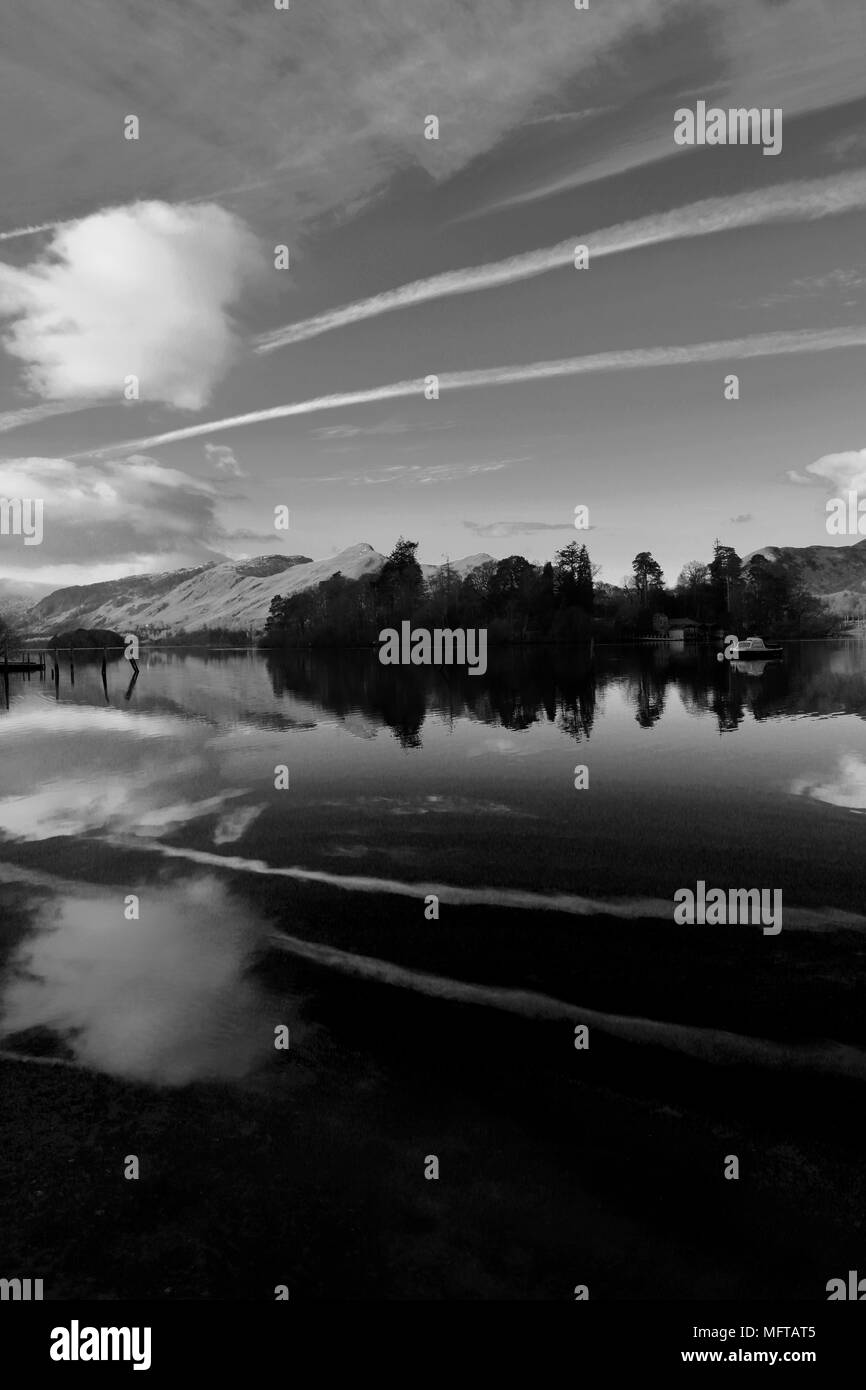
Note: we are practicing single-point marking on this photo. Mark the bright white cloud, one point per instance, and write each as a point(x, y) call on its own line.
point(140, 291)
point(845, 471)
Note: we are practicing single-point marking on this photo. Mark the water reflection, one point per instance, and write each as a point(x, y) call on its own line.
point(564, 687)
point(166, 997)
point(521, 688)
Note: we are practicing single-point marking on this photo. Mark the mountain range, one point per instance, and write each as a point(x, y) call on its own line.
point(223, 593)
point(238, 593)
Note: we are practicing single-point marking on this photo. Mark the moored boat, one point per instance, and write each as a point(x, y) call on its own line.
point(753, 649)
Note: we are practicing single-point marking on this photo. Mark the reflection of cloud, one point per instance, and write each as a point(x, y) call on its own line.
point(165, 998)
point(234, 824)
point(115, 783)
point(501, 747)
point(847, 789)
point(429, 805)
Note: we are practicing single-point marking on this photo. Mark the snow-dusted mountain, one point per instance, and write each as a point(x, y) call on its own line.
point(228, 593)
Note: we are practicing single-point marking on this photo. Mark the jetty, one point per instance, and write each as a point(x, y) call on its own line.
point(27, 661)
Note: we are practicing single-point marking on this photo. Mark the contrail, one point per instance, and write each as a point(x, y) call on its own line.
point(803, 201)
point(30, 231)
point(759, 345)
point(31, 414)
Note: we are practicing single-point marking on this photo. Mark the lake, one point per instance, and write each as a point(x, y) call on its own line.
point(432, 907)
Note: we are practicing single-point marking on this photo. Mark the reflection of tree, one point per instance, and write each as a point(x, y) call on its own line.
point(647, 690)
point(727, 706)
point(562, 686)
point(518, 689)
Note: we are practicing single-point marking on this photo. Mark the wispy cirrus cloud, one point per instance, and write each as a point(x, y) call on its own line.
point(321, 102)
point(806, 200)
point(414, 473)
point(518, 528)
point(632, 359)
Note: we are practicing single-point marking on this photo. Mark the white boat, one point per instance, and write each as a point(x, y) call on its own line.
point(753, 649)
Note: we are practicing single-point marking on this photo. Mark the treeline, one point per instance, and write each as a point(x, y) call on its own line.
point(560, 601)
point(755, 596)
point(206, 637)
point(515, 600)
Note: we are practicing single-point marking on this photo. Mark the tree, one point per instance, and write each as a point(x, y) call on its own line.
point(648, 576)
point(401, 580)
point(724, 572)
point(566, 560)
point(583, 581)
point(692, 588)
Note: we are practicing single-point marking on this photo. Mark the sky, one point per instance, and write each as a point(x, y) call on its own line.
point(259, 385)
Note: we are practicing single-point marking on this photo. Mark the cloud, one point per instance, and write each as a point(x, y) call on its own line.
point(243, 533)
point(842, 472)
point(140, 291)
point(518, 528)
point(424, 474)
point(840, 281)
point(803, 201)
point(321, 102)
point(99, 512)
point(688, 354)
point(739, 520)
point(385, 427)
point(223, 460)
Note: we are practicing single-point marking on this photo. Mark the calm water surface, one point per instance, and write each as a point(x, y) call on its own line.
point(401, 783)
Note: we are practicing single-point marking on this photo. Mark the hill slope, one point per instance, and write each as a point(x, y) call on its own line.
point(836, 573)
point(230, 593)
